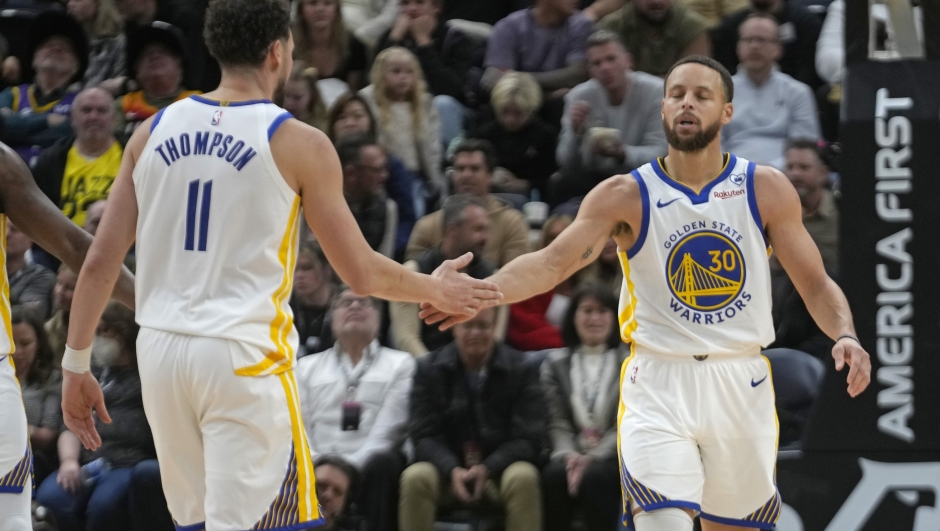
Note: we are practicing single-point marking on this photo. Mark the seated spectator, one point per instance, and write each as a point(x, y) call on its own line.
point(337, 486)
point(41, 383)
point(117, 485)
point(93, 216)
point(57, 327)
point(547, 41)
point(809, 173)
point(30, 284)
point(158, 63)
point(524, 142)
point(535, 323)
point(613, 122)
point(107, 66)
point(474, 163)
point(581, 383)
point(478, 422)
point(408, 124)
point(354, 401)
point(313, 289)
point(301, 97)
point(322, 41)
point(364, 175)
point(369, 19)
point(79, 170)
point(799, 31)
point(351, 114)
point(482, 11)
point(658, 33)
point(770, 107)
point(445, 56)
point(203, 73)
point(465, 226)
point(715, 10)
point(35, 116)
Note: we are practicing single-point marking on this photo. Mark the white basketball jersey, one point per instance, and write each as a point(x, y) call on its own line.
point(697, 280)
point(6, 335)
point(218, 230)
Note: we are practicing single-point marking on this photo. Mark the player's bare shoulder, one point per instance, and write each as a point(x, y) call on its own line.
point(775, 195)
point(298, 150)
point(617, 201)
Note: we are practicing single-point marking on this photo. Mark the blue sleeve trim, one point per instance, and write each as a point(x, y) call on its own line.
point(752, 200)
point(156, 119)
point(645, 223)
point(277, 123)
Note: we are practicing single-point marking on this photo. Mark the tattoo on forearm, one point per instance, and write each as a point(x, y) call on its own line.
point(587, 254)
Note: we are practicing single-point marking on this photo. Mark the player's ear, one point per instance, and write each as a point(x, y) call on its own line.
point(726, 113)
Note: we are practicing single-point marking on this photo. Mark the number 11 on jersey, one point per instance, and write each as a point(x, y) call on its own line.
point(203, 214)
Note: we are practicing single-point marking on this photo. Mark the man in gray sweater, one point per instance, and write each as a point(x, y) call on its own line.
point(612, 122)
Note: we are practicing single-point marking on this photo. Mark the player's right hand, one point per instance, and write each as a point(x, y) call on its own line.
point(81, 393)
point(461, 294)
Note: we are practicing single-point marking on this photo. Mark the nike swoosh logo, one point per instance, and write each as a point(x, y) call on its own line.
point(660, 203)
point(758, 382)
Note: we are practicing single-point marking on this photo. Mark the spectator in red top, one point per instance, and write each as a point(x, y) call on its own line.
point(534, 324)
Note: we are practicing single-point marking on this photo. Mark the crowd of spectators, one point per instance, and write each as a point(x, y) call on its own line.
point(461, 126)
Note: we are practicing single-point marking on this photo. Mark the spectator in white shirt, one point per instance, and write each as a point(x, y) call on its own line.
point(770, 107)
point(354, 400)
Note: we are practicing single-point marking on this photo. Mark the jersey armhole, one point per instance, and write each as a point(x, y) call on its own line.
point(645, 220)
point(752, 202)
point(281, 118)
point(156, 119)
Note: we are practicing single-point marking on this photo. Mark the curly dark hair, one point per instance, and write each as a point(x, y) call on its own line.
point(239, 32)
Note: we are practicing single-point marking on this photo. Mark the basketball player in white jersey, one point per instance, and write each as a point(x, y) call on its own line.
point(25, 205)
point(211, 189)
point(697, 428)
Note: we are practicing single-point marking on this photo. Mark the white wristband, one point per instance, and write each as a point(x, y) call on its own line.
point(77, 361)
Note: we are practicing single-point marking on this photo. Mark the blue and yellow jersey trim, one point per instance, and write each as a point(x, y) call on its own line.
point(282, 358)
point(763, 518)
point(31, 100)
point(5, 308)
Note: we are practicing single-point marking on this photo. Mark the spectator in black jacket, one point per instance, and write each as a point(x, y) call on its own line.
point(445, 55)
point(478, 424)
point(117, 486)
point(799, 31)
point(30, 284)
point(79, 170)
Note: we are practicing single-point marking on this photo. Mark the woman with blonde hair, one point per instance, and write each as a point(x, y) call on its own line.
point(301, 97)
point(322, 41)
point(525, 143)
point(107, 66)
point(408, 124)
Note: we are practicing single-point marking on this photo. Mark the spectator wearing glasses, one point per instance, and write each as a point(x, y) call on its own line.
point(354, 400)
point(770, 107)
point(365, 171)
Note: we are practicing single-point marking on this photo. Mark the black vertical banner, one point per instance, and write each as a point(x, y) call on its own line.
point(873, 463)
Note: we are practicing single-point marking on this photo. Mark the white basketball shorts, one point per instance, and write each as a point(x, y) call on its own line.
point(16, 459)
point(232, 449)
point(700, 435)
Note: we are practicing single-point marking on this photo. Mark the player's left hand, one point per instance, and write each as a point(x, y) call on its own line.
point(848, 351)
point(460, 294)
point(81, 393)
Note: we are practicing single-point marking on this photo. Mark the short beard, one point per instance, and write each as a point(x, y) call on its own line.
point(697, 142)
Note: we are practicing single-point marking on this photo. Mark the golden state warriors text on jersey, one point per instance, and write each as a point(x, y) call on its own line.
point(697, 281)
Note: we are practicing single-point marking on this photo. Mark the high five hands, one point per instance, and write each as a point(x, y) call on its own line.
point(461, 296)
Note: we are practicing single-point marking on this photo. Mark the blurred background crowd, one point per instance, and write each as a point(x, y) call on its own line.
point(461, 125)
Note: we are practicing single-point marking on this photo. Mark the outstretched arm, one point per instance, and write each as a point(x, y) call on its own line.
point(33, 213)
point(297, 149)
point(611, 209)
point(781, 212)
